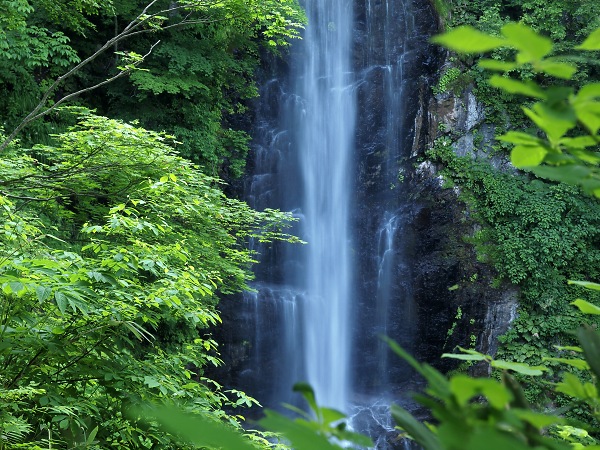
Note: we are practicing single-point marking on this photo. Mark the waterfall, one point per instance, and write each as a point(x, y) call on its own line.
point(325, 122)
point(333, 139)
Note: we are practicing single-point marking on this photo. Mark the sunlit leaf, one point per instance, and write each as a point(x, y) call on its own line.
point(536, 419)
point(577, 363)
point(518, 137)
point(415, 429)
point(196, 429)
point(586, 284)
point(521, 368)
point(528, 88)
point(463, 357)
point(494, 64)
point(466, 39)
point(300, 437)
point(530, 44)
point(527, 156)
point(557, 69)
point(589, 340)
point(592, 42)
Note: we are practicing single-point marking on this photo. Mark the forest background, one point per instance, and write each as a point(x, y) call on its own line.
point(108, 289)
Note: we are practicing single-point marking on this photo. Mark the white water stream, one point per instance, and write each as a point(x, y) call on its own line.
point(326, 126)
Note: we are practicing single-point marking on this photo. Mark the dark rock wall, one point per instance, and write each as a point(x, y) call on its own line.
point(440, 295)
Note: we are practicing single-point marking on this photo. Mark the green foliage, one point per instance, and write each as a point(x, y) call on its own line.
point(195, 85)
point(320, 428)
point(446, 80)
point(112, 252)
point(477, 413)
point(558, 110)
point(537, 234)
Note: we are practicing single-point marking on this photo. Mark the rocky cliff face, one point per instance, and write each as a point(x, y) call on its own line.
point(418, 281)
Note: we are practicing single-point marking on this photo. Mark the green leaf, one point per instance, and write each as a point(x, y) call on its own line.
point(518, 137)
point(589, 91)
point(151, 382)
point(523, 156)
point(300, 436)
point(586, 307)
point(585, 284)
point(308, 393)
point(554, 121)
point(415, 429)
point(572, 174)
point(574, 387)
point(579, 142)
point(42, 293)
point(528, 88)
point(523, 369)
point(356, 438)
point(465, 388)
point(531, 45)
point(592, 42)
point(494, 64)
point(577, 363)
point(466, 39)
point(589, 340)
point(464, 357)
point(536, 419)
point(61, 301)
point(331, 415)
point(196, 429)
point(556, 68)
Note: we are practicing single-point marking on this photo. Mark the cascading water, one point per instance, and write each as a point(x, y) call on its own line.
point(325, 119)
point(333, 137)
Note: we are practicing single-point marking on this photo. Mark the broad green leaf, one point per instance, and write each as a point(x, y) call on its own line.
point(592, 42)
point(573, 362)
point(197, 430)
point(494, 64)
point(308, 393)
point(466, 39)
point(531, 45)
point(588, 113)
point(15, 287)
point(438, 383)
point(528, 88)
point(300, 436)
point(463, 357)
point(356, 438)
point(330, 415)
point(61, 301)
point(465, 388)
point(415, 429)
point(536, 419)
point(586, 307)
point(151, 382)
point(523, 369)
point(589, 91)
point(572, 174)
point(518, 137)
point(556, 68)
point(527, 156)
point(570, 348)
point(554, 122)
point(579, 142)
point(489, 438)
point(589, 340)
point(574, 387)
point(585, 284)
